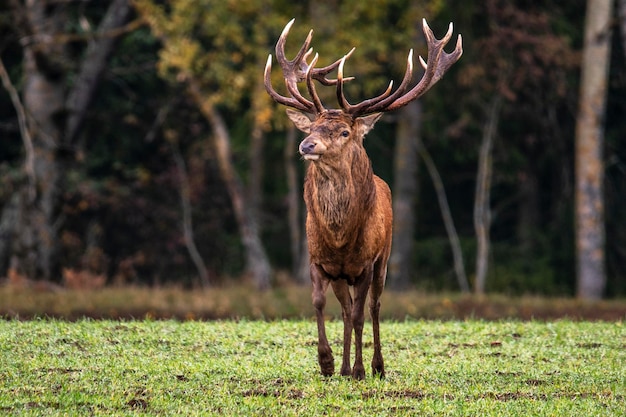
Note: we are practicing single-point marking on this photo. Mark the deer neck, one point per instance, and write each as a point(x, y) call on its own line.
point(339, 193)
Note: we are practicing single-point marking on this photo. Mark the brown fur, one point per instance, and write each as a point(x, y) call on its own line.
point(349, 223)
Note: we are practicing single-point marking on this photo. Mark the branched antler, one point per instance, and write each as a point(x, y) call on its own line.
point(298, 70)
point(438, 63)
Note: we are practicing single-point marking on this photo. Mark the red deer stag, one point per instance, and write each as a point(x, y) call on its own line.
point(349, 216)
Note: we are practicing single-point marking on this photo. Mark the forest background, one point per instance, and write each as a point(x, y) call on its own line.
point(138, 145)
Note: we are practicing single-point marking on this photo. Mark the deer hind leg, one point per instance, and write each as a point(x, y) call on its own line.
point(324, 352)
point(342, 291)
point(376, 289)
point(361, 288)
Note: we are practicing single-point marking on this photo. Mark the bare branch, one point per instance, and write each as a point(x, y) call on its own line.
point(29, 163)
point(61, 38)
point(93, 66)
point(185, 200)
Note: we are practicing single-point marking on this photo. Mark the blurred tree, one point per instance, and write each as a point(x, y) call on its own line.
point(621, 12)
point(205, 45)
point(405, 195)
point(52, 111)
point(482, 199)
point(119, 203)
point(590, 232)
point(209, 46)
point(517, 71)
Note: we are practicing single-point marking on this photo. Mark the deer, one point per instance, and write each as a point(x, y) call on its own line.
point(348, 208)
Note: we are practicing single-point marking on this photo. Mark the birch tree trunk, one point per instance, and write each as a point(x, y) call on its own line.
point(453, 237)
point(187, 221)
point(590, 233)
point(482, 208)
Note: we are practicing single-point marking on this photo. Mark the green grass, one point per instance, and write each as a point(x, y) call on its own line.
point(456, 368)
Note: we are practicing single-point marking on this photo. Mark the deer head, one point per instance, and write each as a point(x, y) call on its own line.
point(330, 130)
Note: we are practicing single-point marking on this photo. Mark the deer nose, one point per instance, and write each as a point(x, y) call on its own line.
point(306, 147)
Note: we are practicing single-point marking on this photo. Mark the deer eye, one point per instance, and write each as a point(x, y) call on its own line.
point(345, 133)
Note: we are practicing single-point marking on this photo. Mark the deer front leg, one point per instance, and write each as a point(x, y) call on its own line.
point(358, 318)
point(376, 289)
point(342, 291)
point(324, 352)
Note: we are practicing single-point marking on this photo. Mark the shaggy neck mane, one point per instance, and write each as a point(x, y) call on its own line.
point(341, 191)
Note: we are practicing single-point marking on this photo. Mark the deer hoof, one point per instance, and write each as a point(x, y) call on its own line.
point(327, 364)
point(358, 373)
point(346, 371)
point(378, 368)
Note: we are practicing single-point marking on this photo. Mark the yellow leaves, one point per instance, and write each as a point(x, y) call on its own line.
point(179, 53)
point(264, 117)
point(223, 44)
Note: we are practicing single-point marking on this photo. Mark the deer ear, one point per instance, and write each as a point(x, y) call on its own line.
point(300, 119)
point(366, 123)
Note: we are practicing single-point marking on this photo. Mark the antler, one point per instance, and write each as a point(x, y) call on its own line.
point(297, 70)
point(439, 62)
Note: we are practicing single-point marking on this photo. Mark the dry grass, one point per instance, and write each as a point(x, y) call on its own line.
point(287, 301)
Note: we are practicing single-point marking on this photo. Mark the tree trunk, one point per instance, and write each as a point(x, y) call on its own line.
point(294, 197)
point(528, 211)
point(453, 237)
point(621, 10)
point(98, 52)
point(187, 223)
point(482, 209)
point(257, 264)
point(257, 145)
point(54, 116)
point(590, 234)
point(35, 243)
point(405, 189)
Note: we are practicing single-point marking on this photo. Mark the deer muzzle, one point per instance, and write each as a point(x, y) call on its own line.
point(311, 149)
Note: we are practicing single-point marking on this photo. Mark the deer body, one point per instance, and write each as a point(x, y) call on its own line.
point(348, 207)
point(349, 214)
point(346, 231)
point(348, 227)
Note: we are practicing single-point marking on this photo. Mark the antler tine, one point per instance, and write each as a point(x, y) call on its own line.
point(341, 98)
point(380, 102)
point(290, 67)
point(311, 87)
point(287, 101)
point(294, 71)
point(438, 63)
point(319, 74)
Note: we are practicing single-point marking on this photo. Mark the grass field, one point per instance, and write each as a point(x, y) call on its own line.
point(455, 368)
